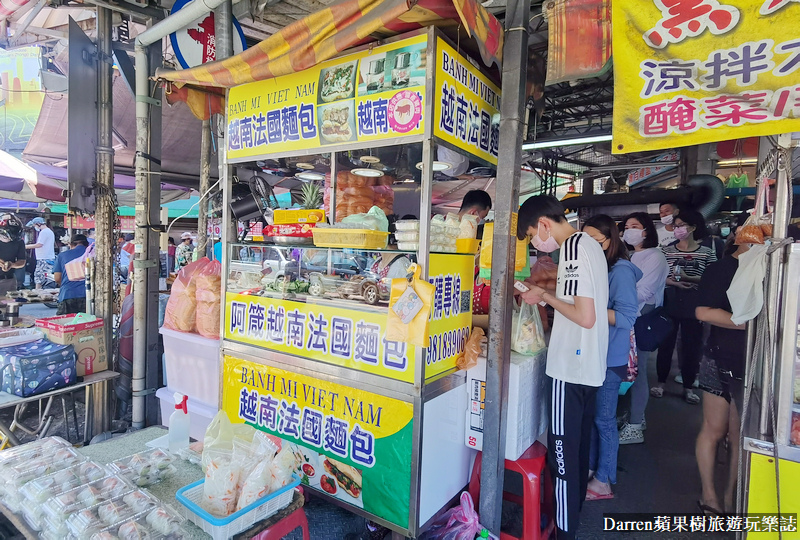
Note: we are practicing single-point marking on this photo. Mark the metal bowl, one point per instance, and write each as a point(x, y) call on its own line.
point(12, 308)
point(293, 240)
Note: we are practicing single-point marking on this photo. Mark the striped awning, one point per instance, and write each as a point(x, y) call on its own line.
point(326, 33)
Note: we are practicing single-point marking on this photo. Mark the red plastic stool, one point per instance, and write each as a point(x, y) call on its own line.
point(531, 465)
point(285, 526)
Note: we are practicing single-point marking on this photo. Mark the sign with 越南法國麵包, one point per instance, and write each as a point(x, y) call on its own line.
point(467, 108)
point(352, 444)
point(373, 95)
point(689, 72)
point(335, 335)
point(451, 311)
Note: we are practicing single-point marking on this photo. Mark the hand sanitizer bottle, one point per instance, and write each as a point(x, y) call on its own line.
point(179, 424)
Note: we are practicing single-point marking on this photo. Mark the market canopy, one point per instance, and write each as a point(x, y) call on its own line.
point(323, 35)
point(21, 182)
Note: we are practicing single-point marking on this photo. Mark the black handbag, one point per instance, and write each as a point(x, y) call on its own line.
point(651, 329)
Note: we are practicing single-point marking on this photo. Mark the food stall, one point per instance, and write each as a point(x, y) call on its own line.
point(379, 423)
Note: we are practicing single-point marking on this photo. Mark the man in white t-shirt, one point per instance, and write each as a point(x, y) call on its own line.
point(666, 236)
point(45, 251)
point(576, 358)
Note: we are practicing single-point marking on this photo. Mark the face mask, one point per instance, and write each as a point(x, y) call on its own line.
point(725, 231)
point(681, 233)
point(546, 246)
point(633, 237)
point(667, 220)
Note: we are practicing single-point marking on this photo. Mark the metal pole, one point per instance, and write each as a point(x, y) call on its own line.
point(512, 109)
point(102, 284)
point(223, 29)
point(205, 183)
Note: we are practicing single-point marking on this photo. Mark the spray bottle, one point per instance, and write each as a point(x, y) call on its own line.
point(179, 424)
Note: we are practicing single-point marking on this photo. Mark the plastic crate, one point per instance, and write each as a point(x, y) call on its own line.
point(350, 238)
point(224, 528)
point(193, 365)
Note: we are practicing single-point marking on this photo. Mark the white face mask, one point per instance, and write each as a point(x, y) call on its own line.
point(633, 237)
point(667, 220)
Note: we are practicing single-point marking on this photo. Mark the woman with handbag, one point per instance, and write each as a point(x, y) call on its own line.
point(687, 261)
point(640, 232)
point(622, 308)
point(721, 377)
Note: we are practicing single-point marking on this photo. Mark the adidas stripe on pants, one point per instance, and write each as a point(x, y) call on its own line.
point(572, 409)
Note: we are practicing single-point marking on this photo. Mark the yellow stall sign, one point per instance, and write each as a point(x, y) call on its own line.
point(354, 445)
point(467, 113)
point(695, 72)
point(373, 95)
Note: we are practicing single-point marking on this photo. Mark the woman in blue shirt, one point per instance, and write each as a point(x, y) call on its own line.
point(623, 307)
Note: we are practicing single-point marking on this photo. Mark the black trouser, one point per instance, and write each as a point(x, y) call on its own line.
point(72, 305)
point(571, 416)
point(690, 353)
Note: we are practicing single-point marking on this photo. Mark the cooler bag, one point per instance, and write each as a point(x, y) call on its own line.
point(34, 368)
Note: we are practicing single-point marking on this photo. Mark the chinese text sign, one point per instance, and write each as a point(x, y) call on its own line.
point(334, 335)
point(689, 72)
point(451, 310)
point(376, 94)
point(352, 444)
point(467, 107)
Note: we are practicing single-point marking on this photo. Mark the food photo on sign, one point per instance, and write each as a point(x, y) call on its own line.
point(337, 121)
point(337, 82)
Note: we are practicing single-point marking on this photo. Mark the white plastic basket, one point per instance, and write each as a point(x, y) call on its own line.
point(224, 528)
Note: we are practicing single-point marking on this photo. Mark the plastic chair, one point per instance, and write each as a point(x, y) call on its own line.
point(531, 465)
point(285, 526)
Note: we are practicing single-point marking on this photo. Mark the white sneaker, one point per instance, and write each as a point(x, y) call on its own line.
point(631, 434)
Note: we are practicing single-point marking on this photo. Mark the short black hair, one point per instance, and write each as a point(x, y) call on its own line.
point(695, 219)
point(651, 236)
point(534, 209)
point(477, 198)
point(79, 239)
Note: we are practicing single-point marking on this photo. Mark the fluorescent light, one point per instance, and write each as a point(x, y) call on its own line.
point(437, 166)
point(369, 173)
point(566, 142)
point(310, 176)
point(730, 162)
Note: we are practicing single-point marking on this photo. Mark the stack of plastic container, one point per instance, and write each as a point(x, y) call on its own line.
point(407, 234)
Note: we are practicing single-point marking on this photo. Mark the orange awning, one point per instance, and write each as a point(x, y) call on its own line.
point(326, 33)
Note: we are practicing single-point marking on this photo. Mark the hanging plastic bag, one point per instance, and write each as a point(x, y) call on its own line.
point(738, 181)
point(415, 331)
point(633, 366)
point(182, 305)
point(472, 350)
point(746, 291)
point(759, 224)
point(459, 523)
point(526, 330)
point(208, 296)
point(545, 273)
point(221, 433)
point(521, 259)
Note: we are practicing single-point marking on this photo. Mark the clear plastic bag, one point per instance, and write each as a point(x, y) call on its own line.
point(526, 330)
point(472, 350)
point(220, 486)
point(544, 273)
point(459, 523)
point(208, 295)
point(181, 310)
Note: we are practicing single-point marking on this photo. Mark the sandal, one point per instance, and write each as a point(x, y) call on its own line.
point(691, 398)
point(594, 496)
point(657, 392)
point(709, 510)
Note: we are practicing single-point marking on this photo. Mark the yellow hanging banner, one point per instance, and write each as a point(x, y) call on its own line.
point(689, 72)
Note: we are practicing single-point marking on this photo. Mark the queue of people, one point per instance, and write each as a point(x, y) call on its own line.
point(609, 276)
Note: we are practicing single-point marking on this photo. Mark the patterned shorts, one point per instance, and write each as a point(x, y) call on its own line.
point(43, 268)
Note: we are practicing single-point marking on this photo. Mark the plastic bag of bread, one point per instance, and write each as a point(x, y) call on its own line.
point(544, 273)
point(472, 350)
point(181, 309)
point(527, 335)
point(209, 293)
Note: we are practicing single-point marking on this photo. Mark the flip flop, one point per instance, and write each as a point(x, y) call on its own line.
point(709, 510)
point(594, 496)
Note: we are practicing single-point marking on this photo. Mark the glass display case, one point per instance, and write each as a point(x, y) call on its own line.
point(349, 278)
